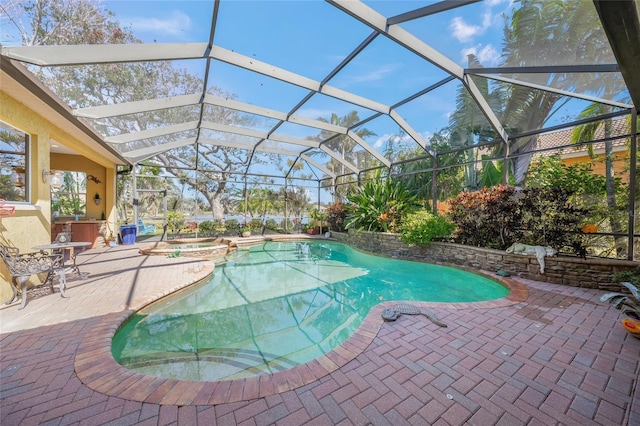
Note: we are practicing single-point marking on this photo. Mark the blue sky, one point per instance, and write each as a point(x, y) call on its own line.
point(311, 37)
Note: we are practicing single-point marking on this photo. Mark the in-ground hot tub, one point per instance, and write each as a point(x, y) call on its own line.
point(193, 247)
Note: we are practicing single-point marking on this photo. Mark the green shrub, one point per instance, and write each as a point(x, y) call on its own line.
point(175, 221)
point(379, 205)
point(232, 224)
point(211, 228)
point(422, 227)
point(271, 224)
point(206, 228)
point(632, 276)
point(290, 226)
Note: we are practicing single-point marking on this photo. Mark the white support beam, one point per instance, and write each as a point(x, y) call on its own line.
point(411, 132)
point(339, 159)
point(354, 99)
point(225, 128)
point(317, 124)
point(244, 107)
point(262, 148)
point(318, 166)
point(378, 22)
point(226, 144)
point(292, 140)
point(258, 134)
point(46, 56)
point(114, 110)
point(353, 135)
point(236, 145)
point(95, 54)
point(153, 150)
point(152, 133)
point(485, 108)
point(554, 90)
point(252, 64)
point(271, 113)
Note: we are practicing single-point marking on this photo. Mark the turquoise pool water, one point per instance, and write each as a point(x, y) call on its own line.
point(276, 305)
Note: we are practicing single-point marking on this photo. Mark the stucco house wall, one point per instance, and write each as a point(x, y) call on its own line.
point(30, 225)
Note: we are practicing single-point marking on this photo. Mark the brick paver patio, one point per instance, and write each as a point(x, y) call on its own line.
point(559, 357)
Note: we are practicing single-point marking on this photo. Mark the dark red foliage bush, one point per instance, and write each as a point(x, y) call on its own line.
point(336, 216)
point(499, 216)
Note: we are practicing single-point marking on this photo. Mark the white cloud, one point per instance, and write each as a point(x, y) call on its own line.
point(487, 55)
point(492, 3)
point(175, 24)
point(376, 75)
point(465, 32)
point(394, 137)
point(462, 31)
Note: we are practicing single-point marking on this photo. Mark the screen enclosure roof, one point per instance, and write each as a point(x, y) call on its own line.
point(322, 89)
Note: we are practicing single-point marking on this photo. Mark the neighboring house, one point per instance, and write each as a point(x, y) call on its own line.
point(560, 143)
point(46, 140)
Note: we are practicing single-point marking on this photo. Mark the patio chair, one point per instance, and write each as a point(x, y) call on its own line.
point(144, 228)
point(22, 266)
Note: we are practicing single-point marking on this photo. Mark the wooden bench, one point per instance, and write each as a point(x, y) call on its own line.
point(22, 266)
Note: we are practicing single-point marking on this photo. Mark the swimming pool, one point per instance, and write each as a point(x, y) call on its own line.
point(279, 304)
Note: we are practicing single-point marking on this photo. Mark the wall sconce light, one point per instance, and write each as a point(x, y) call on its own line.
point(94, 179)
point(53, 178)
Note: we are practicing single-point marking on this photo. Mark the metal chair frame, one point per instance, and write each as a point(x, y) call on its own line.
point(22, 266)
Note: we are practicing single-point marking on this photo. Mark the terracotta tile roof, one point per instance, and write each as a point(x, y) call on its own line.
point(560, 139)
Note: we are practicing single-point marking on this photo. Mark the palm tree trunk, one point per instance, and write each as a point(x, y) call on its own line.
point(614, 221)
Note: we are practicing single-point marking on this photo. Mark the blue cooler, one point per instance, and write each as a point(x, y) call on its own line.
point(128, 234)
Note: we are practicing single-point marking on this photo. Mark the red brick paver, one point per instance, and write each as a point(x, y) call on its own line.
point(560, 357)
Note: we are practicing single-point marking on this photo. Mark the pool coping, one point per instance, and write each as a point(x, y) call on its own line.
point(96, 367)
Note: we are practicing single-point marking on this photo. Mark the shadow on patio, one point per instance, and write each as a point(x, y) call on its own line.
point(559, 357)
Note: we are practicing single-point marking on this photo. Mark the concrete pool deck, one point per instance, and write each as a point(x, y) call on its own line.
point(558, 357)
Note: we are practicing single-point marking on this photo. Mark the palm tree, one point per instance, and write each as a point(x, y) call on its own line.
point(468, 126)
point(540, 33)
point(345, 146)
point(587, 132)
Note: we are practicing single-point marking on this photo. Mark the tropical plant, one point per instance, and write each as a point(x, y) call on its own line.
point(336, 215)
point(416, 166)
point(379, 205)
point(529, 40)
point(344, 146)
point(422, 227)
point(588, 192)
point(628, 303)
point(587, 132)
point(550, 218)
